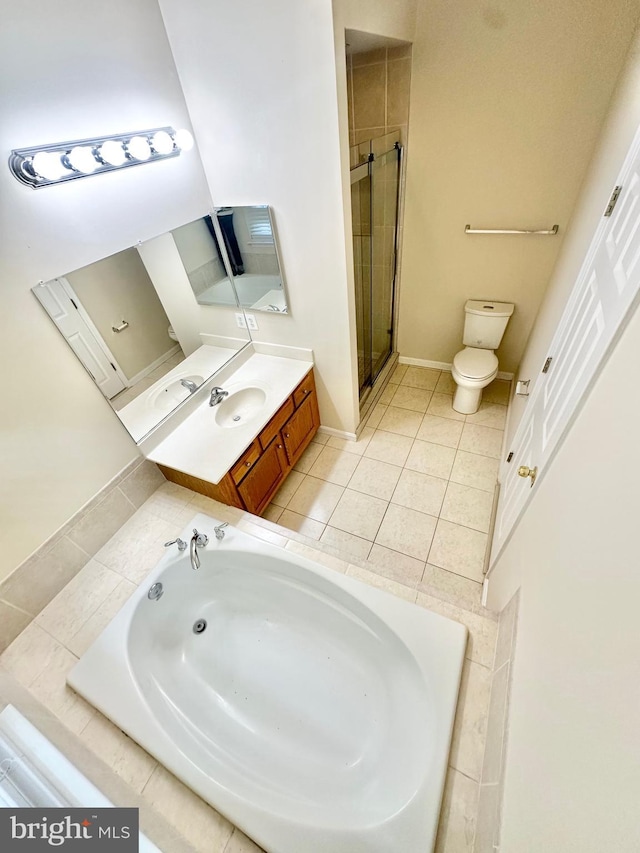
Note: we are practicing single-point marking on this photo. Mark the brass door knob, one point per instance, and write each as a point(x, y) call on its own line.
point(525, 471)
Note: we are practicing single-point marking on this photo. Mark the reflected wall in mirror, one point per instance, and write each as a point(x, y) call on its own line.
point(133, 322)
point(232, 258)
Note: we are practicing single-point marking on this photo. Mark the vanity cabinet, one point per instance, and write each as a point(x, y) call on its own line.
point(257, 474)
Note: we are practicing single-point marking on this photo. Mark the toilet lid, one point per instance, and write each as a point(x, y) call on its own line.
point(475, 363)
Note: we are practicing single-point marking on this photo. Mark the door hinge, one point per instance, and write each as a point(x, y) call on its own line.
point(74, 304)
point(510, 456)
point(547, 365)
point(613, 200)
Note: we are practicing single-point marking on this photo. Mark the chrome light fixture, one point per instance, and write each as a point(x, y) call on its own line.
point(45, 165)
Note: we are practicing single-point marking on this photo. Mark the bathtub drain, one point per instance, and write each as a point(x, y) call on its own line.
point(199, 626)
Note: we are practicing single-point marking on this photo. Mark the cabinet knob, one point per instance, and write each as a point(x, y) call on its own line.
point(287, 435)
point(305, 391)
point(248, 464)
point(279, 447)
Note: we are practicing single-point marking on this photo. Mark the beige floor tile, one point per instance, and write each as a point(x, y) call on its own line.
point(319, 556)
point(467, 506)
point(316, 499)
point(470, 728)
point(433, 459)
point(118, 751)
point(446, 383)
point(301, 524)
point(50, 688)
point(491, 415)
point(470, 469)
point(79, 600)
point(389, 447)
point(387, 395)
point(420, 491)
point(398, 373)
point(482, 440)
point(335, 466)
point(376, 415)
point(273, 512)
point(288, 488)
point(440, 430)
point(353, 547)
point(458, 814)
point(194, 819)
point(99, 524)
point(241, 844)
point(453, 588)
point(321, 437)
point(407, 531)
point(459, 549)
point(414, 399)
point(421, 377)
point(395, 566)
point(12, 623)
point(139, 545)
point(375, 478)
point(483, 629)
point(358, 514)
point(358, 447)
point(171, 503)
point(29, 654)
point(401, 421)
point(498, 391)
point(96, 623)
point(308, 458)
point(440, 406)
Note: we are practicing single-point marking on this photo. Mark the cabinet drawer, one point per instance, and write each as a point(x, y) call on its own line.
point(304, 389)
point(276, 423)
point(246, 462)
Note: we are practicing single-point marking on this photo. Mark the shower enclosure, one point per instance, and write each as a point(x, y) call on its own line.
point(374, 205)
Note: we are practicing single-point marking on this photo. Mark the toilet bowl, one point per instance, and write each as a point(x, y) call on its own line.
point(476, 365)
point(473, 369)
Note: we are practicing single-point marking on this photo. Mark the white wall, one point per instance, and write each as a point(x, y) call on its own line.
point(260, 81)
point(71, 73)
point(573, 758)
point(507, 101)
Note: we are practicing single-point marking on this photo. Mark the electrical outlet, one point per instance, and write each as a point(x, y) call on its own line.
point(241, 323)
point(251, 322)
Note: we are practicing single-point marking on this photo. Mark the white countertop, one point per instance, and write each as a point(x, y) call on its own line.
point(200, 447)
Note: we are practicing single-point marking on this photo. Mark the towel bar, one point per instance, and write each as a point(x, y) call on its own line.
point(469, 230)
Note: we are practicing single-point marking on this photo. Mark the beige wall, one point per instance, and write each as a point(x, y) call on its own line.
point(506, 106)
point(572, 780)
point(111, 71)
point(116, 289)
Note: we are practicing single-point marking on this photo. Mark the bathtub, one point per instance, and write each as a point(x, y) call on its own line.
point(313, 711)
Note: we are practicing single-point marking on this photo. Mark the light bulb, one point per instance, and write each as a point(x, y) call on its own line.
point(112, 152)
point(48, 165)
point(183, 139)
point(162, 142)
point(82, 159)
point(139, 148)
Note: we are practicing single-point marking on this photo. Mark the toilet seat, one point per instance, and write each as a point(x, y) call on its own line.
point(474, 363)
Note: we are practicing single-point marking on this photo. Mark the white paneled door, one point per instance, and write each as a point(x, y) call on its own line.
point(65, 310)
point(604, 292)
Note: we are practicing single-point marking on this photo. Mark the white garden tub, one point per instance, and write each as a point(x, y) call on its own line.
point(314, 711)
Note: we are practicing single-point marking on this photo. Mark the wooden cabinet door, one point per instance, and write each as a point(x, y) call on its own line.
point(260, 483)
point(298, 430)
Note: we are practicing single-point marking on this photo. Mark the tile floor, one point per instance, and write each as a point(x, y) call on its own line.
point(413, 496)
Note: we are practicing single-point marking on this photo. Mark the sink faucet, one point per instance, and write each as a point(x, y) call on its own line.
point(187, 383)
point(217, 395)
point(198, 540)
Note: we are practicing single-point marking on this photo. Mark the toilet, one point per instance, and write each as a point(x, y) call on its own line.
point(476, 365)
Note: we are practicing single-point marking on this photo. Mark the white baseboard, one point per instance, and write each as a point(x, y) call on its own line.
point(442, 365)
point(339, 433)
point(153, 365)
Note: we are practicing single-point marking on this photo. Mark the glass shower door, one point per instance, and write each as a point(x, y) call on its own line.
point(361, 227)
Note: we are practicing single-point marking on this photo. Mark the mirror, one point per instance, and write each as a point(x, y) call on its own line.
point(133, 322)
point(231, 258)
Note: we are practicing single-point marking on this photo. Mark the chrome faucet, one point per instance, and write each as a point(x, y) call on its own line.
point(187, 383)
point(198, 540)
point(217, 395)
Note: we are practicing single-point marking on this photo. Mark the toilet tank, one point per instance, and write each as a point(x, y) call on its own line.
point(485, 322)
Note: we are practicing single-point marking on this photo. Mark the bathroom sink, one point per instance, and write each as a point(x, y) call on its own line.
point(240, 407)
point(174, 392)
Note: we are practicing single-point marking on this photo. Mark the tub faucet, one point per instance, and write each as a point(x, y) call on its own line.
point(198, 540)
point(187, 383)
point(217, 395)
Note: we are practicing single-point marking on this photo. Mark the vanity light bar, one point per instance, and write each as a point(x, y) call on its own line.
point(45, 165)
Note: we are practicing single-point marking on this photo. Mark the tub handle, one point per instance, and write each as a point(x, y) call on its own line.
point(182, 545)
